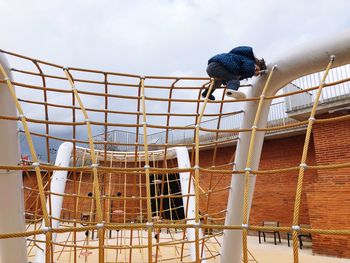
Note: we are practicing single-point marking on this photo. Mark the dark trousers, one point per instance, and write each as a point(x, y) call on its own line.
point(222, 76)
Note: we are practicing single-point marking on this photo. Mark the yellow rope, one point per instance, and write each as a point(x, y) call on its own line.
point(303, 164)
point(74, 236)
point(97, 193)
point(140, 239)
point(35, 161)
point(109, 212)
point(196, 171)
point(172, 170)
point(147, 169)
point(124, 206)
point(248, 166)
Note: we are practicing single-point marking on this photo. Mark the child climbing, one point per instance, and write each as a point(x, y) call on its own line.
point(229, 68)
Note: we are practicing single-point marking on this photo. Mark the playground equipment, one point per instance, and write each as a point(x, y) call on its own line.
point(128, 188)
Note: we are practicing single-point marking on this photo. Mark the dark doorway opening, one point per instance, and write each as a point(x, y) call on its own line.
point(169, 208)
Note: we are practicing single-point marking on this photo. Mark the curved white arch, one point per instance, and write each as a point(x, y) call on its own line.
point(300, 61)
point(11, 186)
point(58, 185)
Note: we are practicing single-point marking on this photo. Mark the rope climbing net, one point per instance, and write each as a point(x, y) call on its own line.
point(123, 200)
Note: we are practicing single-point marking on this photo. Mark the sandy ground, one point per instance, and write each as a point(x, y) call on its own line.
point(270, 253)
point(263, 253)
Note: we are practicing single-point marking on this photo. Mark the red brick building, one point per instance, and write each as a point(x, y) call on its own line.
point(325, 200)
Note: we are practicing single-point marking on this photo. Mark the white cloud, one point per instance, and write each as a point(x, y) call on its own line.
point(161, 37)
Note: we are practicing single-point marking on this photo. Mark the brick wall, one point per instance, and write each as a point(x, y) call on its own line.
point(82, 186)
point(274, 193)
point(216, 181)
point(325, 200)
point(329, 198)
point(131, 206)
point(325, 197)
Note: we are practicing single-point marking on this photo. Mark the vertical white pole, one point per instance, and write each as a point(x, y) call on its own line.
point(231, 250)
point(303, 60)
point(183, 161)
point(58, 185)
point(11, 185)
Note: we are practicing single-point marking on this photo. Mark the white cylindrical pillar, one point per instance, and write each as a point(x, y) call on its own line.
point(183, 161)
point(231, 249)
point(303, 60)
point(11, 185)
point(58, 185)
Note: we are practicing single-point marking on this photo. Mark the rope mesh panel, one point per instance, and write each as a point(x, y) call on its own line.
point(123, 128)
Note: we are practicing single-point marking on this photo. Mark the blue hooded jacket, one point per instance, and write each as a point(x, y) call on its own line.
point(240, 61)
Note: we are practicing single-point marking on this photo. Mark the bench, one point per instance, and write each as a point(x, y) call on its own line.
point(275, 233)
point(300, 236)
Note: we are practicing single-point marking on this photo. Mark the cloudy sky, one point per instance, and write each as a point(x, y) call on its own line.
point(161, 37)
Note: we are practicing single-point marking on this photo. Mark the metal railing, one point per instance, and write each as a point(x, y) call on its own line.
point(277, 117)
point(277, 114)
point(329, 94)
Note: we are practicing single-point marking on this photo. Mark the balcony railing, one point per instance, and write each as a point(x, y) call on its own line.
point(277, 117)
point(329, 94)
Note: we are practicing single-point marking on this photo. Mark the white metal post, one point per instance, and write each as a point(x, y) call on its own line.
point(183, 161)
point(58, 185)
point(300, 61)
point(11, 185)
